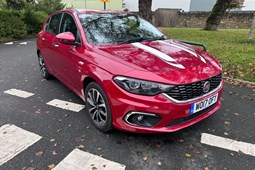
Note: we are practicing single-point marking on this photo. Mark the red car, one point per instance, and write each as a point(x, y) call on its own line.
point(129, 74)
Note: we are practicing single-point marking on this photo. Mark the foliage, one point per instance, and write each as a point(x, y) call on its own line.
point(229, 46)
point(236, 4)
point(12, 25)
point(21, 17)
point(49, 6)
point(34, 21)
point(2, 4)
point(15, 4)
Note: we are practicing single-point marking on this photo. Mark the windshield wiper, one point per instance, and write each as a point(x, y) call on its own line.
point(155, 38)
point(137, 39)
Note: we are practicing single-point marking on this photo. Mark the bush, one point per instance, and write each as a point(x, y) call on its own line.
point(34, 21)
point(17, 24)
point(12, 25)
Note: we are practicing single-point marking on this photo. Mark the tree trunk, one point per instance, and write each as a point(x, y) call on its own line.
point(218, 11)
point(251, 33)
point(145, 9)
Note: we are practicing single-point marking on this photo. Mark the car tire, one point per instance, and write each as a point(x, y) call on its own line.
point(98, 107)
point(44, 72)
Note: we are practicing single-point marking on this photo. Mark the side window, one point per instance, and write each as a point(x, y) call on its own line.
point(68, 25)
point(54, 24)
point(47, 24)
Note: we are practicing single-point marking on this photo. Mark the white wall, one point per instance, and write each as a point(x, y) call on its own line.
point(132, 5)
point(249, 5)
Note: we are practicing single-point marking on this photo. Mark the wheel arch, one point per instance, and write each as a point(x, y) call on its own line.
point(94, 78)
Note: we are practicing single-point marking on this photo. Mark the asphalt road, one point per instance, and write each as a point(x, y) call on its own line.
point(62, 130)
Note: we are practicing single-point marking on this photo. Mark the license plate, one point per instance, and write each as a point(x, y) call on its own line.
point(196, 107)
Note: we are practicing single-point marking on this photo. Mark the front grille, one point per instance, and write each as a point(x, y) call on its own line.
point(193, 90)
point(190, 117)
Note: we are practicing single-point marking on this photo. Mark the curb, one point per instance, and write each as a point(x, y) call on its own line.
point(241, 83)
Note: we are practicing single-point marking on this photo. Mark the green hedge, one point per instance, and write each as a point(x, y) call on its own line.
point(18, 24)
point(12, 24)
point(34, 21)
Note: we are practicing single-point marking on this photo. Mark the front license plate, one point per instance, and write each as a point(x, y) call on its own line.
point(196, 107)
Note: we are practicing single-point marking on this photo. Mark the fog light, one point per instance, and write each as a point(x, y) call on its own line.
point(142, 119)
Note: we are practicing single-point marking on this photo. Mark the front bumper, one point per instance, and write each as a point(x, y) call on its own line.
point(174, 116)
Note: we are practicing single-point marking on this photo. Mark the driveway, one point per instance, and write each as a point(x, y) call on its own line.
point(42, 135)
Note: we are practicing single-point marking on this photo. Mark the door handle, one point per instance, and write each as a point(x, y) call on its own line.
point(80, 63)
point(42, 38)
point(55, 45)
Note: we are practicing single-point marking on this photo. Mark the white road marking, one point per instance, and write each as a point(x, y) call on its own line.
point(80, 160)
point(159, 54)
point(19, 93)
point(8, 43)
point(184, 49)
point(66, 105)
point(225, 143)
point(13, 140)
point(23, 43)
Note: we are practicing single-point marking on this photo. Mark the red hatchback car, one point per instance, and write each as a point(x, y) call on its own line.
point(129, 75)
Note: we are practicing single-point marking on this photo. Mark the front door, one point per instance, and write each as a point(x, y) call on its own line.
point(70, 57)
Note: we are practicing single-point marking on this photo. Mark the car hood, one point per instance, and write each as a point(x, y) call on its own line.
point(165, 61)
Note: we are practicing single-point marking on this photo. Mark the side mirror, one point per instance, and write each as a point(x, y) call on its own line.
point(66, 38)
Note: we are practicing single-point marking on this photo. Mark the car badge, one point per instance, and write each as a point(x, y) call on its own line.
point(206, 87)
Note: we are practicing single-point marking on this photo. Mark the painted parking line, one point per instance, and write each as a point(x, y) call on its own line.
point(80, 160)
point(66, 105)
point(18, 93)
point(225, 143)
point(8, 43)
point(23, 43)
point(14, 140)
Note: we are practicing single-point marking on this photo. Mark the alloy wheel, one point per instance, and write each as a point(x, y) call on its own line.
point(97, 107)
point(42, 65)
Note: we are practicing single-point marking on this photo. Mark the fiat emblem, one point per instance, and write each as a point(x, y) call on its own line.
point(206, 87)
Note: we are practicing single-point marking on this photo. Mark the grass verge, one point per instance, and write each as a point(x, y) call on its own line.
point(229, 46)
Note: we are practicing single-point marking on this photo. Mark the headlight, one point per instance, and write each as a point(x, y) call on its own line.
point(141, 87)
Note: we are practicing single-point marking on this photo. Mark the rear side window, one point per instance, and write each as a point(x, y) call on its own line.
point(53, 27)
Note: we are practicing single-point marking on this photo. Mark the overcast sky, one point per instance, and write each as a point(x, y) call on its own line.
point(249, 5)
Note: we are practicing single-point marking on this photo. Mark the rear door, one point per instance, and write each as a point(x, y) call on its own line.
point(47, 39)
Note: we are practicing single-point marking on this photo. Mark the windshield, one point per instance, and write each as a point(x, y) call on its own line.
point(102, 29)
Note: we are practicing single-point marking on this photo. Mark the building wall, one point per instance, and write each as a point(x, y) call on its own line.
point(201, 5)
point(94, 4)
point(185, 5)
point(132, 5)
point(240, 19)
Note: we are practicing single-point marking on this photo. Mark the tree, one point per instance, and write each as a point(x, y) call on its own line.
point(145, 9)
point(251, 33)
point(50, 6)
point(218, 11)
point(15, 4)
